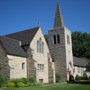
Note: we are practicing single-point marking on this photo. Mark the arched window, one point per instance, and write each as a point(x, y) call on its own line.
point(58, 38)
point(68, 39)
point(37, 46)
point(54, 38)
point(42, 47)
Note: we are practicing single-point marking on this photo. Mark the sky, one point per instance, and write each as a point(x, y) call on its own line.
point(18, 15)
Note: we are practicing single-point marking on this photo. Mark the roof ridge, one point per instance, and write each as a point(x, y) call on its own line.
point(10, 38)
point(21, 31)
point(24, 36)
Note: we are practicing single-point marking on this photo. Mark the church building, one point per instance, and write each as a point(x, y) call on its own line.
point(26, 53)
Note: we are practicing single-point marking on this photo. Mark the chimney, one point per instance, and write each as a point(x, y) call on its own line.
point(20, 43)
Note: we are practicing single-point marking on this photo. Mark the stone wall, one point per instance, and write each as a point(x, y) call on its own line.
point(58, 52)
point(31, 70)
point(18, 66)
point(4, 67)
point(51, 74)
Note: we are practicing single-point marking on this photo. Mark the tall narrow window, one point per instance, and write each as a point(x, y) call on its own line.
point(58, 38)
point(37, 46)
point(40, 44)
point(68, 39)
point(42, 47)
point(23, 65)
point(54, 37)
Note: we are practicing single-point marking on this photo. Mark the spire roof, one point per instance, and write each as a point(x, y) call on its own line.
point(58, 21)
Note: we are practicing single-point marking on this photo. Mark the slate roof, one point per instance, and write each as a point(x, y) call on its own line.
point(79, 62)
point(24, 36)
point(12, 46)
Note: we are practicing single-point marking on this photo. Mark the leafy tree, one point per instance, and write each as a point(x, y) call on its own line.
point(46, 38)
point(81, 44)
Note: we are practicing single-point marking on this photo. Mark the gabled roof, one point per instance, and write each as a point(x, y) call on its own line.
point(24, 36)
point(79, 62)
point(12, 46)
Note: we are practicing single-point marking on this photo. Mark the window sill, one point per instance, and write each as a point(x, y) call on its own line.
point(41, 70)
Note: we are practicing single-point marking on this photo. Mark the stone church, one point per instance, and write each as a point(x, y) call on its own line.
point(26, 53)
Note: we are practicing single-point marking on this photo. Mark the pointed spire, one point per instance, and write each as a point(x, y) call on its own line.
point(58, 21)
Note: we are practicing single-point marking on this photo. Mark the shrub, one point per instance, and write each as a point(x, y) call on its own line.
point(4, 85)
point(77, 77)
point(2, 80)
point(20, 84)
point(39, 83)
point(31, 80)
point(58, 77)
point(24, 80)
point(81, 77)
point(30, 84)
point(34, 84)
point(85, 76)
point(16, 81)
point(10, 84)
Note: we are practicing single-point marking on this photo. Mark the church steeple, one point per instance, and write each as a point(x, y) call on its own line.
point(58, 21)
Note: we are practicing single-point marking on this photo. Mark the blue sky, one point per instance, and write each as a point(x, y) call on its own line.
point(18, 15)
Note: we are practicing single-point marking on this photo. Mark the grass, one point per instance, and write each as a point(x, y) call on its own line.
point(60, 86)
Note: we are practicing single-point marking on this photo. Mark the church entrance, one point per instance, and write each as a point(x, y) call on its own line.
point(70, 69)
point(69, 73)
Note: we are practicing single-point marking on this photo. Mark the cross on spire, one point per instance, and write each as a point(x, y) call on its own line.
point(58, 21)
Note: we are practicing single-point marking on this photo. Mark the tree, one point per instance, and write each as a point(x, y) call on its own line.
point(81, 44)
point(46, 38)
point(88, 67)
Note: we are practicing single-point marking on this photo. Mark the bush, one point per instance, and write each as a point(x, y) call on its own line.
point(39, 83)
point(20, 84)
point(85, 76)
point(4, 85)
point(24, 80)
point(58, 77)
point(2, 80)
point(16, 81)
point(31, 80)
point(35, 84)
point(81, 77)
point(10, 84)
point(77, 77)
point(31, 84)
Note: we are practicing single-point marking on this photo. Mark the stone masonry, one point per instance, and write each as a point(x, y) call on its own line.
point(50, 71)
point(4, 66)
point(31, 70)
point(58, 51)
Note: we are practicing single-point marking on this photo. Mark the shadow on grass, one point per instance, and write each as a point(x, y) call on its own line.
point(81, 82)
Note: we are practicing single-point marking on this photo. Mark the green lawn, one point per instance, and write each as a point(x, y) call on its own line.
point(61, 86)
